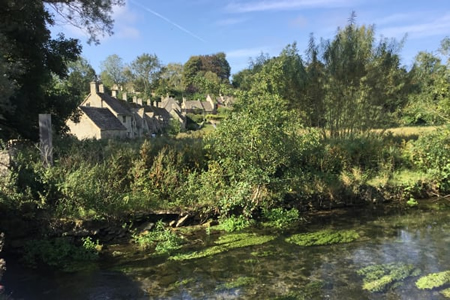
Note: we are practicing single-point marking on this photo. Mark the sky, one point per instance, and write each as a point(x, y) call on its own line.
point(175, 30)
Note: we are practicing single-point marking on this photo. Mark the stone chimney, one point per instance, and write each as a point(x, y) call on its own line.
point(94, 88)
point(149, 103)
point(139, 101)
point(114, 93)
point(124, 96)
point(101, 88)
point(134, 99)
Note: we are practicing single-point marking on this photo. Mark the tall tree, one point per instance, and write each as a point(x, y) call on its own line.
point(429, 101)
point(81, 74)
point(31, 58)
point(112, 71)
point(198, 66)
point(145, 70)
point(362, 80)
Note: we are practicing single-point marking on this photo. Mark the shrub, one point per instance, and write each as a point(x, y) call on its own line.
point(60, 252)
point(280, 218)
point(162, 238)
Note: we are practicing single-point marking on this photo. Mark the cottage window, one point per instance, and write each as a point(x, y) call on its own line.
point(88, 104)
point(124, 119)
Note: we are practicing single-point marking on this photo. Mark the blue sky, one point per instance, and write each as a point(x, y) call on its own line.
point(174, 30)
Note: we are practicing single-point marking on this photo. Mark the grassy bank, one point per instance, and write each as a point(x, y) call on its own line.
point(109, 179)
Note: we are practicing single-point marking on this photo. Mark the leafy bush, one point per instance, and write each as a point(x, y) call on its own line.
point(431, 153)
point(162, 238)
point(234, 223)
point(60, 253)
point(280, 218)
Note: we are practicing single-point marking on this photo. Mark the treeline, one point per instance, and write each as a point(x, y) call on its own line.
point(199, 76)
point(354, 83)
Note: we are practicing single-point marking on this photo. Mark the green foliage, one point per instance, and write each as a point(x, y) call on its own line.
point(378, 278)
point(323, 237)
point(205, 73)
point(429, 97)
point(363, 80)
point(255, 146)
point(60, 253)
point(432, 152)
point(434, 280)
point(234, 223)
point(162, 239)
point(412, 202)
point(280, 218)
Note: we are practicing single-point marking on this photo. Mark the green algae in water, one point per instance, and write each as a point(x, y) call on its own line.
point(378, 278)
point(226, 243)
point(434, 280)
point(323, 237)
point(445, 293)
point(237, 283)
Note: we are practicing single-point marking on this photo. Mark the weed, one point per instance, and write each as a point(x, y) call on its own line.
point(280, 218)
point(162, 238)
point(323, 237)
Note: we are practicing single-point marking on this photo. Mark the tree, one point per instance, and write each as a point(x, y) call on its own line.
point(363, 80)
point(31, 59)
point(145, 70)
point(93, 16)
point(314, 104)
point(205, 64)
point(112, 71)
point(81, 74)
point(429, 101)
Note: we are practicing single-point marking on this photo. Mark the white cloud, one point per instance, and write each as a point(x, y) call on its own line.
point(439, 26)
point(274, 5)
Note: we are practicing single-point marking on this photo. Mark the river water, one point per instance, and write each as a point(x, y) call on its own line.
point(274, 270)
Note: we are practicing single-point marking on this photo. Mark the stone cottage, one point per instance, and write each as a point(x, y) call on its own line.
point(196, 106)
point(104, 116)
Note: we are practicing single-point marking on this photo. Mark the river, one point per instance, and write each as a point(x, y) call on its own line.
point(417, 237)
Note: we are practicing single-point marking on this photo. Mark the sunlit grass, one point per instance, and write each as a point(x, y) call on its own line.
point(410, 130)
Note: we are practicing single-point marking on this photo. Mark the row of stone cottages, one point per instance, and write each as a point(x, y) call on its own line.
point(105, 116)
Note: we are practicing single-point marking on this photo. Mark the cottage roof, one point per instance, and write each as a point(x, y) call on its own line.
point(207, 106)
point(103, 118)
point(119, 106)
point(194, 104)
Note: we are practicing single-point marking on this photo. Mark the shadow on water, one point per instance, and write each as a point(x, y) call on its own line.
point(28, 284)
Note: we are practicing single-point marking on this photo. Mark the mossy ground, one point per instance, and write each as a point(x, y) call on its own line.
point(378, 278)
point(226, 243)
point(323, 237)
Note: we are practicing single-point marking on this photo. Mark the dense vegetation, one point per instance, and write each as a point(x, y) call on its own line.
point(302, 133)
